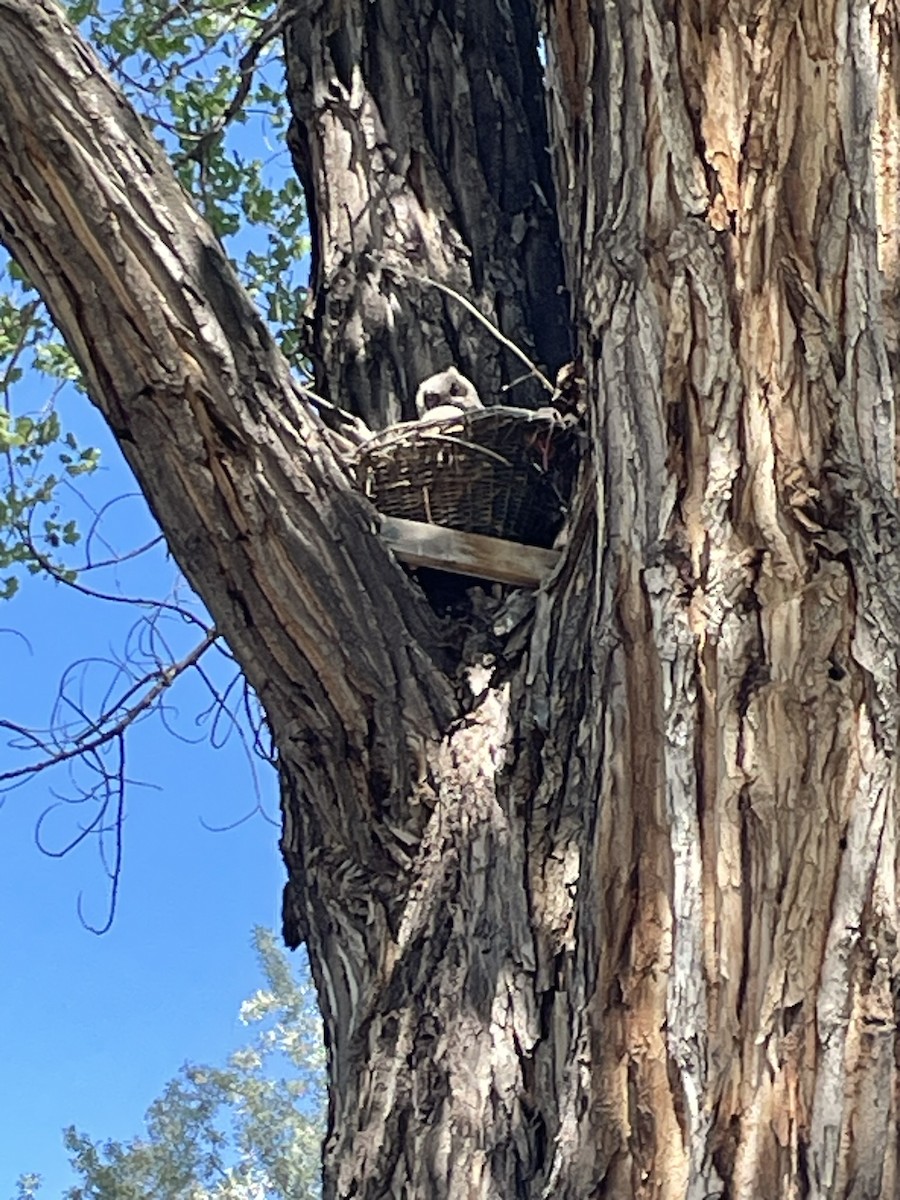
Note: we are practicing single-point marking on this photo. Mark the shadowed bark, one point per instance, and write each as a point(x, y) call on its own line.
point(421, 139)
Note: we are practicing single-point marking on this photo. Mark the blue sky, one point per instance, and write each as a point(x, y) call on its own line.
point(92, 1027)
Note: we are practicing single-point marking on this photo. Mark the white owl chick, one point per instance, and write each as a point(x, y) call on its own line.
point(446, 395)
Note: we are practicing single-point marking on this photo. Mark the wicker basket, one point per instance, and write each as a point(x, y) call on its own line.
point(504, 472)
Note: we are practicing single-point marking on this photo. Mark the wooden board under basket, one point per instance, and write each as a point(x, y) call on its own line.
point(421, 545)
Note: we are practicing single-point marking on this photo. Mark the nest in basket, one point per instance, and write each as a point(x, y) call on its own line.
point(503, 472)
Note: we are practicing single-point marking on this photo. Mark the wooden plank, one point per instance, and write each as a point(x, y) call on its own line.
point(422, 545)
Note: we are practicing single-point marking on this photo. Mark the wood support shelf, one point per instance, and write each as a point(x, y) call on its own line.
point(422, 545)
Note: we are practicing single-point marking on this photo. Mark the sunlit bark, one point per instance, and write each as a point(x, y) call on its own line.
point(729, 207)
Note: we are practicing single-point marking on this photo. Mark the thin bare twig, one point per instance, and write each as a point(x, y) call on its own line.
point(272, 26)
point(485, 321)
point(86, 744)
point(55, 573)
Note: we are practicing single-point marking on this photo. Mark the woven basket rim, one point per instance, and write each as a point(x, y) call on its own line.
point(475, 471)
point(457, 442)
point(436, 428)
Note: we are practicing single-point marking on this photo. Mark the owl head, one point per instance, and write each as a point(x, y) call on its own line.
point(448, 389)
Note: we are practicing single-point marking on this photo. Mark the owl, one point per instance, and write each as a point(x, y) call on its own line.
point(446, 395)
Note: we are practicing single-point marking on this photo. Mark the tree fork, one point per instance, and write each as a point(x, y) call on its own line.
point(622, 920)
point(240, 470)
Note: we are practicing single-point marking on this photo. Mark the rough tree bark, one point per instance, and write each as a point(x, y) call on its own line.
point(600, 891)
point(421, 139)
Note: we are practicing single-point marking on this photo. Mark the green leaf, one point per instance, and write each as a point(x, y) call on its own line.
point(252, 1127)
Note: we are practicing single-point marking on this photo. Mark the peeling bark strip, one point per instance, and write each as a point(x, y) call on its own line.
point(615, 916)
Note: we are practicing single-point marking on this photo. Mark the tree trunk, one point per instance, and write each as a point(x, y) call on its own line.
point(600, 884)
point(421, 140)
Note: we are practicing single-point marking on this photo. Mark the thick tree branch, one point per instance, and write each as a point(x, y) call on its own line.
point(235, 461)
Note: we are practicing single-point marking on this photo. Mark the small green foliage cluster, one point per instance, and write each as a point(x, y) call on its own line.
point(251, 1130)
point(208, 78)
point(37, 454)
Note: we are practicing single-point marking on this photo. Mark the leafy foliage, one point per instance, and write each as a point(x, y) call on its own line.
point(205, 77)
point(38, 456)
point(248, 1131)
